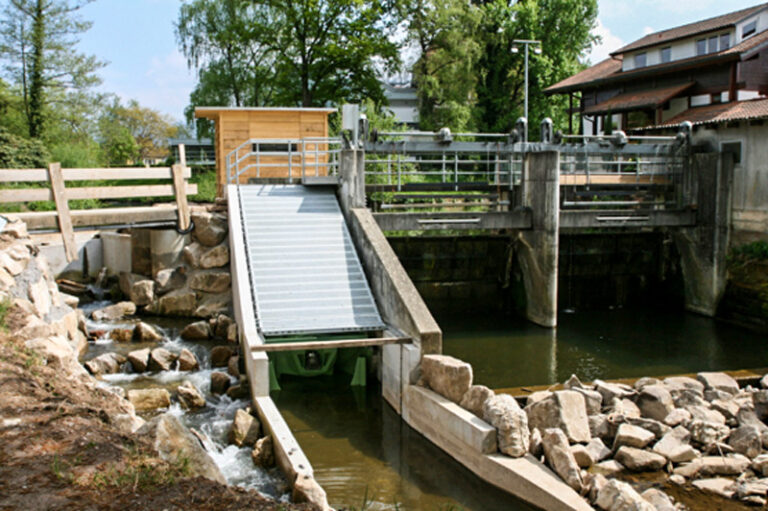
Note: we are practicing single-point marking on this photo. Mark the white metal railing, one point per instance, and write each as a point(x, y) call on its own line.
point(283, 158)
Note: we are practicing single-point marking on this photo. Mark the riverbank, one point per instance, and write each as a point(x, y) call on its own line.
point(69, 441)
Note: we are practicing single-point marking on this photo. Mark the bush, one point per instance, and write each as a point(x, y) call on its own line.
point(77, 155)
point(21, 153)
point(757, 250)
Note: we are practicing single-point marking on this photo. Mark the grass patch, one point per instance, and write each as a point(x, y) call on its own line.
point(755, 251)
point(141, 472)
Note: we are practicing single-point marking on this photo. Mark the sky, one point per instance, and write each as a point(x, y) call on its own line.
point(137, 39)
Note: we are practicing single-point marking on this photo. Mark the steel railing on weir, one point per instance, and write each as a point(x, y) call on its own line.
point(280, 158)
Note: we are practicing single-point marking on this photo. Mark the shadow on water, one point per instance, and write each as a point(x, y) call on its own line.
point(508, 351)
point(357, 444)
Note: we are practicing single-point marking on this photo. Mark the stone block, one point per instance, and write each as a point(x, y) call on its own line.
point(448, 376)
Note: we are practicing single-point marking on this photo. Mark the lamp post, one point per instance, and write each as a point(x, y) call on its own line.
point(536, 50)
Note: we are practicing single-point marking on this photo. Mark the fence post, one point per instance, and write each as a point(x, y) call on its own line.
point(62, 210)
point(180, 190)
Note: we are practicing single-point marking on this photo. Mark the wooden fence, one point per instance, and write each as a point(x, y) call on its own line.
point(66, 220)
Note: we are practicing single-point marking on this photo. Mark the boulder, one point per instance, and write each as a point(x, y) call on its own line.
point(560, 458)
point(718, 486)
point(448, 376)
point(760, 465)
point(607, 468)
point(220, 356)
point(675, 447)
point(602, 427)
point(593, 400)
point(632, 436)
point(233, 366)
point(245, 430)
point(537, 396)
point(718, 381)
point(677, 384)
point(188, 361)
point(534, 444)
point(639, 460)
point(121, 335)
point(760, 402)
point(306, 489)
point(713, 394)
point(174, 443)
point(232, 333)
point(677, 417)
point(729, 408)
point(238, 391)
point(658, 499)
point(707, 433)
point(658, 429)
point(655, 402)
point(624, 408)
point(597, 450)
point(168, 280)
point(620, 496)
point(474, 399)
point(215, 257)
point(731, 465)
point(103, 364)
point(611, 391)
point(189, 396)
point(703, 413)
point(142, 292)
point(160, 359)
point(764, 382)
point(263, 454)
point(197, 331)
point(149, 399)
point(210, 228)
point(146, 333)
point(219, 382)
point(139, 360)
point(746, 440)
point(645, 381)
point(686, 398)
point(114, 312)
point(573, 383)
point(210, 281)
point(594, 483)
point(582, 456)
point(180, 302)
point(16, 229)
point(511, 423)
point(213, 305)
point(223, 322)
point(565, 410)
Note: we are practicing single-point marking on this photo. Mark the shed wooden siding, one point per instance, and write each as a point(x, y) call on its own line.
point(236, 126)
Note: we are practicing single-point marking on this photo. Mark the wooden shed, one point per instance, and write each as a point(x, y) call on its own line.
point(280, 128)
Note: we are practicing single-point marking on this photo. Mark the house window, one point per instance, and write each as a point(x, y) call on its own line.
point(666, 54)
point(712, 46)
point(275, 148)
point(640, 60)
point(733, 148)
point(725, 42)
point(701, 47)
point(749, 29)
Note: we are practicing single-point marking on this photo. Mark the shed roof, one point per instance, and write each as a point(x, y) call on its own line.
point(205, 111)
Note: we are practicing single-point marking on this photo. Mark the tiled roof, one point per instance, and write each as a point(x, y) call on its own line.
point(691, 29)
point(634, 100)
point(610, 69)
point(721, 112)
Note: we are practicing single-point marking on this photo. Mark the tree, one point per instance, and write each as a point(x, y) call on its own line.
point(147, 128)
point(17, 152)
point(281, 52)
point(37, 44)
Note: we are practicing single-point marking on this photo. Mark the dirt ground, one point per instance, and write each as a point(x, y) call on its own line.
point(59, 451)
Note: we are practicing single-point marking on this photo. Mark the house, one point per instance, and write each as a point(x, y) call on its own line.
point(712, 73)
point(199, 152)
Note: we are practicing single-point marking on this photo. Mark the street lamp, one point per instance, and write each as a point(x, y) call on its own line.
point(537, 51)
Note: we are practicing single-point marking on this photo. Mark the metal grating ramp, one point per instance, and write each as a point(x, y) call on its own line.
point(305, 274)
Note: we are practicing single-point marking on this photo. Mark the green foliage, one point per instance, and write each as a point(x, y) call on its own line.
point(5, 308)
point(755, 251)
point(20, 153)
point(76, 154)
point(206, 184)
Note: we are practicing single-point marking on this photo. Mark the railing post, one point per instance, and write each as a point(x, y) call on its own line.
point(180, 190)
point(352, 177)
point(62, 209)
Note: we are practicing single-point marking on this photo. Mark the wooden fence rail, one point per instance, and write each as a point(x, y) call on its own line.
point(66, 220)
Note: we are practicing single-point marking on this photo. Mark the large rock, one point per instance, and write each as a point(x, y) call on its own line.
point(677, 417)
point(199, 256)
point(233, 366)
point(559, 456)
point(707, 433)
point(659, 429)
point(175, 443)
point(107, 363)
point(746, 440)
point(143, 292)
point(144, 400)
point(760, 402)
point(181, 302)
point(115, 311)
point(263, 454)
point(718, 486)
point(658, 499)
point(219, 382)
point(146, 333)
point(187, 361)
point(511, 423)
point(223, 322)
point(581, 455)
point(189, 396)
point(168, 280)
point(448, 376)
point(160, 359)
point(704, 413)
point(675, 447)
point(639, 460)
point(632, 436)
point(245, 429)
point(121, 335)
point(565, 410)
point(210, 228)
point(597, 450)
point(197, 331)
point(760, 465)
point(139, 360)
point(655, 402)
point(306, 489)
point(733, 464)
point(213, 305)
point(677, 384)
point(474, 399)
point(220, 356)
point(718, 381)
point(210, 281)
point(611, 391)
point(620, 496)
point(592, 398)
point(601, 426)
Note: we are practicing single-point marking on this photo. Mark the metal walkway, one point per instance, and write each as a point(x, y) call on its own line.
point(305, 275)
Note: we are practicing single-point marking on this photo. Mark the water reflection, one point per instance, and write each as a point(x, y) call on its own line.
point(357, 443)
point(508, 351)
